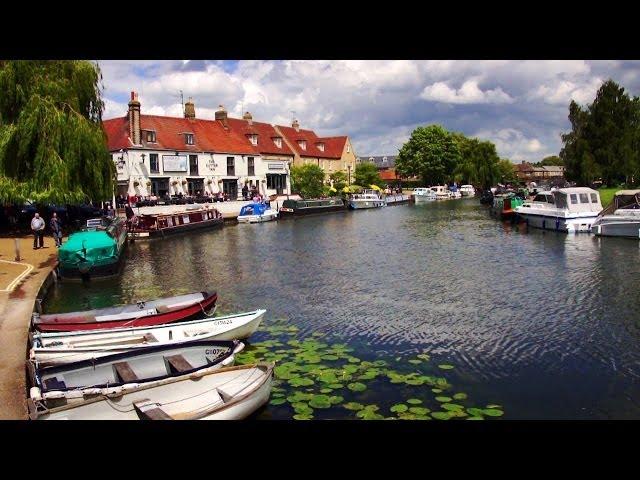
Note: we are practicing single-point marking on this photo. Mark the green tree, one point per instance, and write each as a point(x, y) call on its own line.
point(431, 153)
point(307, 180)
point(52, 146)
point(339, 180)
point(604, 137)
point(367, 174)
point(507, 171)
point(551, 160)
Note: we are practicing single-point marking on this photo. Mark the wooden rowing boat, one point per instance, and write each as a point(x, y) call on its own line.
point(155, 312)
point(63, 347)
point(231, 393)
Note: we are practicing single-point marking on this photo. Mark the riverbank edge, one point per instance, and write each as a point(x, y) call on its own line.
point(14, 334)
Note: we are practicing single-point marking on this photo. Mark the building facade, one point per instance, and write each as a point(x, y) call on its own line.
point(527, 172)
point(171, 156)
point(332, 154)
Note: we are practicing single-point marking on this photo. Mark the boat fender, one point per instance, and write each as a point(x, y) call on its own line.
point(228, 361)
point(92, 391)
point(75, 393)
point(238, 348)
point(35, 394)
point(53, 395)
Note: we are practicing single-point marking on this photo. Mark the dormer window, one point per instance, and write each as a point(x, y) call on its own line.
point(151, 136)
point(302, 144)
point(278, 142)
point(253, 138)
point(320, 146)
point(188, 138)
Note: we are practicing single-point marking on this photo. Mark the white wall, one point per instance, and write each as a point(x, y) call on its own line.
point(137, 169)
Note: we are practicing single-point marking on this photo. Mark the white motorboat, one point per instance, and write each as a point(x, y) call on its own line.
point(395, 198)
point(231, 393)
point(467, 190)
point(423, 194)
point(257, 213)
point(112, 374)
point(442, 193)
point(366, 199)
point(64, 347)
point(621, 218)
point(566, 209)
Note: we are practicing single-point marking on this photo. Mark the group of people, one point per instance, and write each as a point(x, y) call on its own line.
point(251, 194)
point(38, 225)
point(390, 190)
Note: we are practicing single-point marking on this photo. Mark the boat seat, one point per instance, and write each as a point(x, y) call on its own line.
point(147, 410)
point(54, 384)
point(178, 364)
point(124, 371)
point(162, 309)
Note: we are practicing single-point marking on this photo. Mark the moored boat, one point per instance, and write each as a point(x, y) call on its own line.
point(366, 199)
point(154, 312)
point(621, 218)
point(568, 210)
point(396, 198)
point(112, 374)
point(161, 224)
point(95, 252)
point(230, 393)
point(467, 190)
point(57, 348)
point(504, 205)
point(421, 194)
point(310, 206)
point(257, 213)
point(441, 192)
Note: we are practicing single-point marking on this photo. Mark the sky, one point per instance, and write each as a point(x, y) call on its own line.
point(521, 106)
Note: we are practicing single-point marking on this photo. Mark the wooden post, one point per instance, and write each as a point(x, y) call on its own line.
point(17, 250)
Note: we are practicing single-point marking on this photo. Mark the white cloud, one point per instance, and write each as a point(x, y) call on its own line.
point(561, 92)
point(513, 144)
point(468, 93)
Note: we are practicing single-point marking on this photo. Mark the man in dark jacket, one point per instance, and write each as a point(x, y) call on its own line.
point(56, 229)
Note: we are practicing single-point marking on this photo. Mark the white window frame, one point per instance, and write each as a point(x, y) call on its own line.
point(188, 136)
point(302, 144)
point(278, 142)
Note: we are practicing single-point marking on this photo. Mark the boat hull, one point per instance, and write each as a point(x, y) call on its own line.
point(617, 228)
point(310, 210)
point(266, 217)
point(182, 314)
point(94, 273)
point(396, 199)
point(362, 204)
point(560, 224)
point(161, 233)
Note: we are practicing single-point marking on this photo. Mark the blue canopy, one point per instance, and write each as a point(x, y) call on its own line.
point(254, 209)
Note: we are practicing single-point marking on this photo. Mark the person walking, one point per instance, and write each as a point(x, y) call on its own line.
point(56, 229)
point(37, 225)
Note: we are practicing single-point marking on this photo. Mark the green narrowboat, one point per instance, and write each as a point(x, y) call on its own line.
point(504, 206)
point(95, 252)
point(311, 205)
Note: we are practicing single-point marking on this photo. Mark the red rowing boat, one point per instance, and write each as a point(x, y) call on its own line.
point(141, 314)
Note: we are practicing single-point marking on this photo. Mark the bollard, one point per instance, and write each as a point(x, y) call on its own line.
point(17, 250)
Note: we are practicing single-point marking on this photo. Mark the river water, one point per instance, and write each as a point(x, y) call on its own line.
point(545, 324)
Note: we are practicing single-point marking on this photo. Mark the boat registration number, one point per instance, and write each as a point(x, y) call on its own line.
point(224, 322)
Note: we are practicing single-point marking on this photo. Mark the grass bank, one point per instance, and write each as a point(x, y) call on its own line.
point(606, 195)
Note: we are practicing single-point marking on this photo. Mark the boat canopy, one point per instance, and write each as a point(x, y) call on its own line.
point(626, 199)
point(578, 199)
point(254, 209)
point(93, 245)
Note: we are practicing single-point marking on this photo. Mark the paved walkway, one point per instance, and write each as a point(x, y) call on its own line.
point(19, 286)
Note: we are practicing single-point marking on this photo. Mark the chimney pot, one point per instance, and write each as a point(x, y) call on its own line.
point(134, 120)
point(190, 109)
point(221, 115)
point(296, 125)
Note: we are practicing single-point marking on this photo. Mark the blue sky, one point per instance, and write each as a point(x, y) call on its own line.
point(521, 106)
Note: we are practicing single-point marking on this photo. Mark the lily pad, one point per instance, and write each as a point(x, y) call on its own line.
point(460, 396)
point(277, 401)
point(441, 415)
point(399, 408)
point(353, 360)
point(300, 382)
point(452, 406)
point(355, 406)
point(336, 399)
point(320, 401)
point(436, 390)
point(300, 416)
point(493, 412)
point(414, 401)
point(379, 363)
point(493, 405)
point(326, 390)
point(414, 381)
point(357, 387)
point(330, 357)
point(419, 410)
point(475, 412)
point(350, 368)
point(445, 366)
point(336, 386)
point(443, 399)
point(415, 361)
point(424, 356)
point(475, 418)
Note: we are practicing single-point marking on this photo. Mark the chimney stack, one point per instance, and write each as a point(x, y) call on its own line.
point(248, 117)
point(296, 125)
point(190, 109)
point(134, 119)
point(221, 115)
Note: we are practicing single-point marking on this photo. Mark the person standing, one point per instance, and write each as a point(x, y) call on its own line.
point(56, 229)
point(37, 225)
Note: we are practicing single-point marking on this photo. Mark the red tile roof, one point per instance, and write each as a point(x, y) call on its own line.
point(209, 135)
point(333, 146)
point(265, 133)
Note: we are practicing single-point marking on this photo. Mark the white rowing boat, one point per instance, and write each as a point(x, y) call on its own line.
point(64, 347)
point(231, 393)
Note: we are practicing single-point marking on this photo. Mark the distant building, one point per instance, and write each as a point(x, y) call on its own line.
point(386, 166)
point(527, 172)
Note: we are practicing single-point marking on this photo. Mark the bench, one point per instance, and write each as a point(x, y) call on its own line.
point(149, 337)
point(178, 364)
point(150, 411)
point(54, 384)
point(125, 372)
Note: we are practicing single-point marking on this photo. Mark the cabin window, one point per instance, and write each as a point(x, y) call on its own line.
point(188, 138)
point(574, 198)
point(594, 198)
point(151, 136)
point(154, 166)
point(251, 169)
point(584, 198)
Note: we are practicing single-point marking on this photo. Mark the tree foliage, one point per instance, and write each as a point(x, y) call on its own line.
point(604, 139)
point(307, 180)
point(431, 153)
point(338, 180)
point(366, 174)
point(52, 146)
point(551, 160)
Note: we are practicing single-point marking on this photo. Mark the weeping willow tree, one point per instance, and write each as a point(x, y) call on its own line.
point(52, 146)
